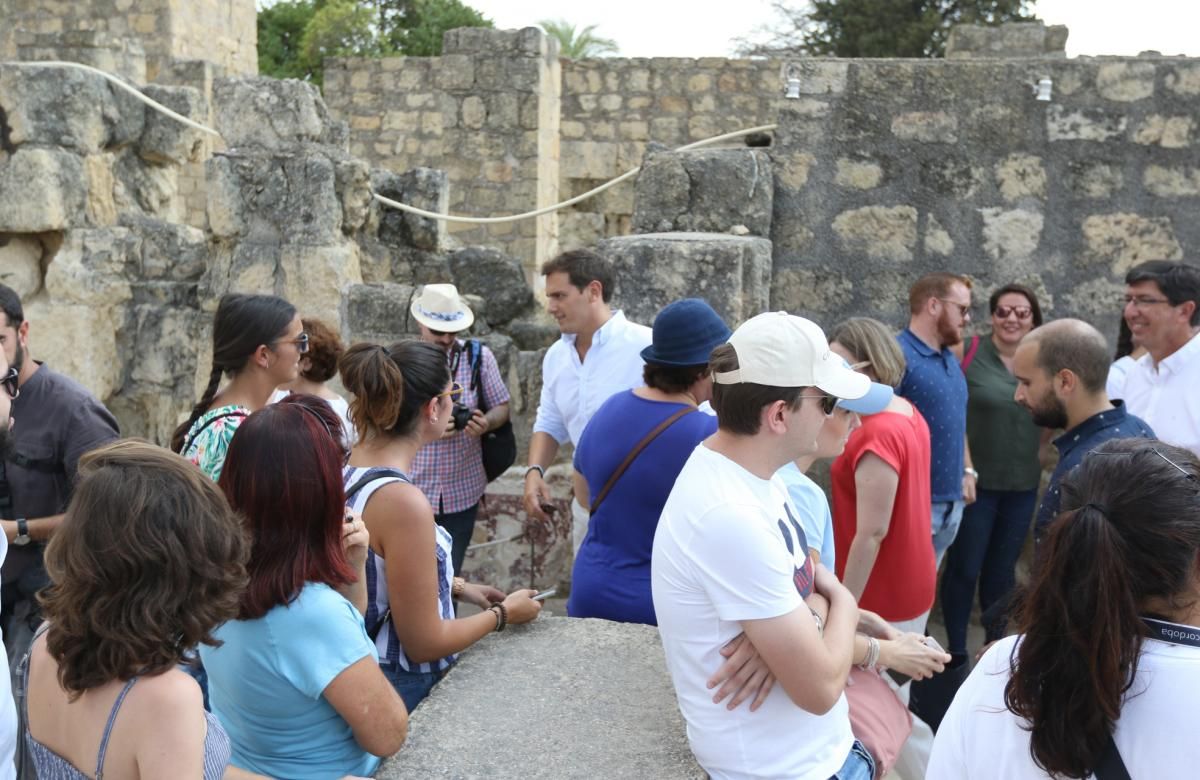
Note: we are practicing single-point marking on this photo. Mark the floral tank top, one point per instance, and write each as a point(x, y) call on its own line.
point(207, 441)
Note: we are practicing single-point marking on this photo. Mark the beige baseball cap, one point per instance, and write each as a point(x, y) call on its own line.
point(782, 350)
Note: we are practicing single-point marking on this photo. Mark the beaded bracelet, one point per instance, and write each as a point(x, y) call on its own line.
point(501, 615)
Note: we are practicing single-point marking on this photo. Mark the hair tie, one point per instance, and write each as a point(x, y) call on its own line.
point(384, 350)
point(1098, 507)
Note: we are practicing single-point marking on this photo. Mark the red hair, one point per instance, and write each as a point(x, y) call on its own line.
point(283, 474)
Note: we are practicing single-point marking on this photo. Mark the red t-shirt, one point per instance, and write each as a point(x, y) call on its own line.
point(902, 582)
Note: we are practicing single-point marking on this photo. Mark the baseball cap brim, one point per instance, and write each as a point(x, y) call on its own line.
point(834, 376)
point(875, 401)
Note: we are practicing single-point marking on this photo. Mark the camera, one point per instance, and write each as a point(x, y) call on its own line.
point(461, 416)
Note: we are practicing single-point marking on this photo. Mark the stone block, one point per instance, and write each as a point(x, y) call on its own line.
point(1012, 39)
point(242, 266)
point(494, 276)
point(79, 340)
point(100, 208)
point(1183, 79)
point(169, 252)
point(886, 233)
point(93, 267)
point(588, 159)
point(166, 140)
point(1122, 240)
point(64, 107)
point(1172, 182)
point(819, 76)
point(1125, 81)
point(705, 191)
point(377, 312)
point(1169, 132)
point(733, 273)
point(504, 677)
point(41, 189)
point(272, 113)
point(317, 277)
point(857, 174)
point(1095, 179)
point(151, 189)
point(21, 264)
point(1063, 124)
point(352, 183)
point(792, 168)
point(817, 294)
point(424, 188)
point(937, 240)
point(267, 198)
point(1010, 236)
point(532, 335)
point(926, 127)
point(1021, 176)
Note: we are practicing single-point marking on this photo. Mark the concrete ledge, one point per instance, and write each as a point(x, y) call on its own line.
point(559, 699)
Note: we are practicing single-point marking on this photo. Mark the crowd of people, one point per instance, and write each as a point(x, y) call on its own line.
point(278, 591)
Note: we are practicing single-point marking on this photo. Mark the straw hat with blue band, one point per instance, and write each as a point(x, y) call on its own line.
point(439, 307)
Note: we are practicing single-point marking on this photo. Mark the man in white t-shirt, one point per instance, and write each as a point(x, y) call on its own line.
point(731, 557)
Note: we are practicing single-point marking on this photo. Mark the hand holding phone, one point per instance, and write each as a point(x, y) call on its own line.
point(545, 594)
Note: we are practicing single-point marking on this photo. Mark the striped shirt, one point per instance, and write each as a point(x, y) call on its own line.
point(386, 642)
point(450, 471)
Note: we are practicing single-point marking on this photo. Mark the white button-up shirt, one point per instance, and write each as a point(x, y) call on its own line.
point(572, 390)
point(1167, 396)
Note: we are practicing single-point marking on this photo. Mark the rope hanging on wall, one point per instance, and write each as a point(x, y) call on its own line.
point(395, 204)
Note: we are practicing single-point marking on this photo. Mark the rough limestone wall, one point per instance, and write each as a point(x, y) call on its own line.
point(89, 237)
point(895, 168)
point(612, 107)
point(483, 112)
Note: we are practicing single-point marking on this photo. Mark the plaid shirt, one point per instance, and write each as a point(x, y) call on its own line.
point(450, 471)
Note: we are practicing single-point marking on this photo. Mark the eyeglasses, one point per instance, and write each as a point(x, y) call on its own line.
point(964, 309)
point(300, 341)
point(9, 380)
point(1142, 301)
point(828, 402)
point(454, 392)
point(1023, 312)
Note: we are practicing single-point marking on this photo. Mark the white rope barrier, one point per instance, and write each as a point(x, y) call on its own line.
point(388, 201)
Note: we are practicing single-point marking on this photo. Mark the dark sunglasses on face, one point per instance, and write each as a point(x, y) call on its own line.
point(1023, 312)
point(9, 380)
point(300, 341)
point(828, 402)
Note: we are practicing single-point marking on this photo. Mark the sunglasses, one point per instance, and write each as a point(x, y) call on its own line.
point(9, 380)
point(828, 402)
point(300, 341)
point(454, 392)
point(964, 309)
point(1023, 312)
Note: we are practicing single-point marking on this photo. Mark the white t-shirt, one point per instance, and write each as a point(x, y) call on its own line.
point(1155, 736)
point(729, 548)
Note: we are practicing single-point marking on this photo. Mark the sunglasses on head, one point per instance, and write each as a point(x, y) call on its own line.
point(9, 380)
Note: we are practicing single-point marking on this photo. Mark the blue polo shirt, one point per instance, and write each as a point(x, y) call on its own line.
point(934, 383)
point(1078, 442)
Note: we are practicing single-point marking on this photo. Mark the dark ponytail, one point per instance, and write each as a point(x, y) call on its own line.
point(391, 384)
point(1126, 542)
point(241, 325)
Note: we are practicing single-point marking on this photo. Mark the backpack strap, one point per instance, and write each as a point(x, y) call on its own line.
point(641, 445)
point(192, 439)
point(1111, 766)
point(971, 350)
point(475, 351)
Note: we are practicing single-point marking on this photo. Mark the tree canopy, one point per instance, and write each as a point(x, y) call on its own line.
point(876, 28)
point(577, 44)
point(295, 36)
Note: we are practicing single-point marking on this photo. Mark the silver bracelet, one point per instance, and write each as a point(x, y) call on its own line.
point(820, 623)
point(872, 658)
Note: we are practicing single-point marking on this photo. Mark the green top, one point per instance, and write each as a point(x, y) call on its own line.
point(207, 441)
point(1004, 441)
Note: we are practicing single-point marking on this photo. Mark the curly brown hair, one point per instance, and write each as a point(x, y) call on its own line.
point(324, 350)
point(147, 562)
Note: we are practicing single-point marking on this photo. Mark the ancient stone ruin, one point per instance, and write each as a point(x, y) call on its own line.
point(121, 227)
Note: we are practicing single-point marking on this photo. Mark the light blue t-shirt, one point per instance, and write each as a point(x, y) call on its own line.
point(265, 684)
point(813, 506)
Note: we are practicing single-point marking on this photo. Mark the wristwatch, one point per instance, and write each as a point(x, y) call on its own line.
point(536, 468)
point(971, 472)
point(22, 537)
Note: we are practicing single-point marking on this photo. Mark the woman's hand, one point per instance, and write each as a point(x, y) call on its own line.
point(872, 624)
point(521, 607)
point(744, 674)
point(910, 655)
point(355, 540)
point(482, 596)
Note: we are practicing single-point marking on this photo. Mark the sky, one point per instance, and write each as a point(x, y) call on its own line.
point(686, 28)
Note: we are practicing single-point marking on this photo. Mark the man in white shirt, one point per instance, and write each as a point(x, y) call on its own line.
point(8, 710)
point(731, 557)
point(1161, 308)
point(598, 355)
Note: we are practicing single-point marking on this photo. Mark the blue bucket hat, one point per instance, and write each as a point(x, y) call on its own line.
point(685, 333)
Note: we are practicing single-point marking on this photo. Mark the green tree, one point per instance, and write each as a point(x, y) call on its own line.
point(342, 28)
point(876, 28)
point(577, 44)
point(420, 30)
point(280, 30)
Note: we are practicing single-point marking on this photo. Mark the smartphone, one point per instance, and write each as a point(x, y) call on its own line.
point(549, 508)
point(902, 678)
point(545, 594)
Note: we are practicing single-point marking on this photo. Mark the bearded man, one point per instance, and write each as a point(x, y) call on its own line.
point(940, 306)
point(1061, 370)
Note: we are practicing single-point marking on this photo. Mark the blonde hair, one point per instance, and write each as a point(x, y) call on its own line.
point(874, 342)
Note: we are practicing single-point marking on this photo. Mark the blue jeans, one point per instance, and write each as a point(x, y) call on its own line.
point(989, 542)
point(859, 765)
point(413, 687)
point(945, 517)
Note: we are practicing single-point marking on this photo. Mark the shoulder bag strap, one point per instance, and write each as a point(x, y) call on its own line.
point(1111, 766)
point(192, 439)
point(967, 358)
point(641, 445)
point(475, 349)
